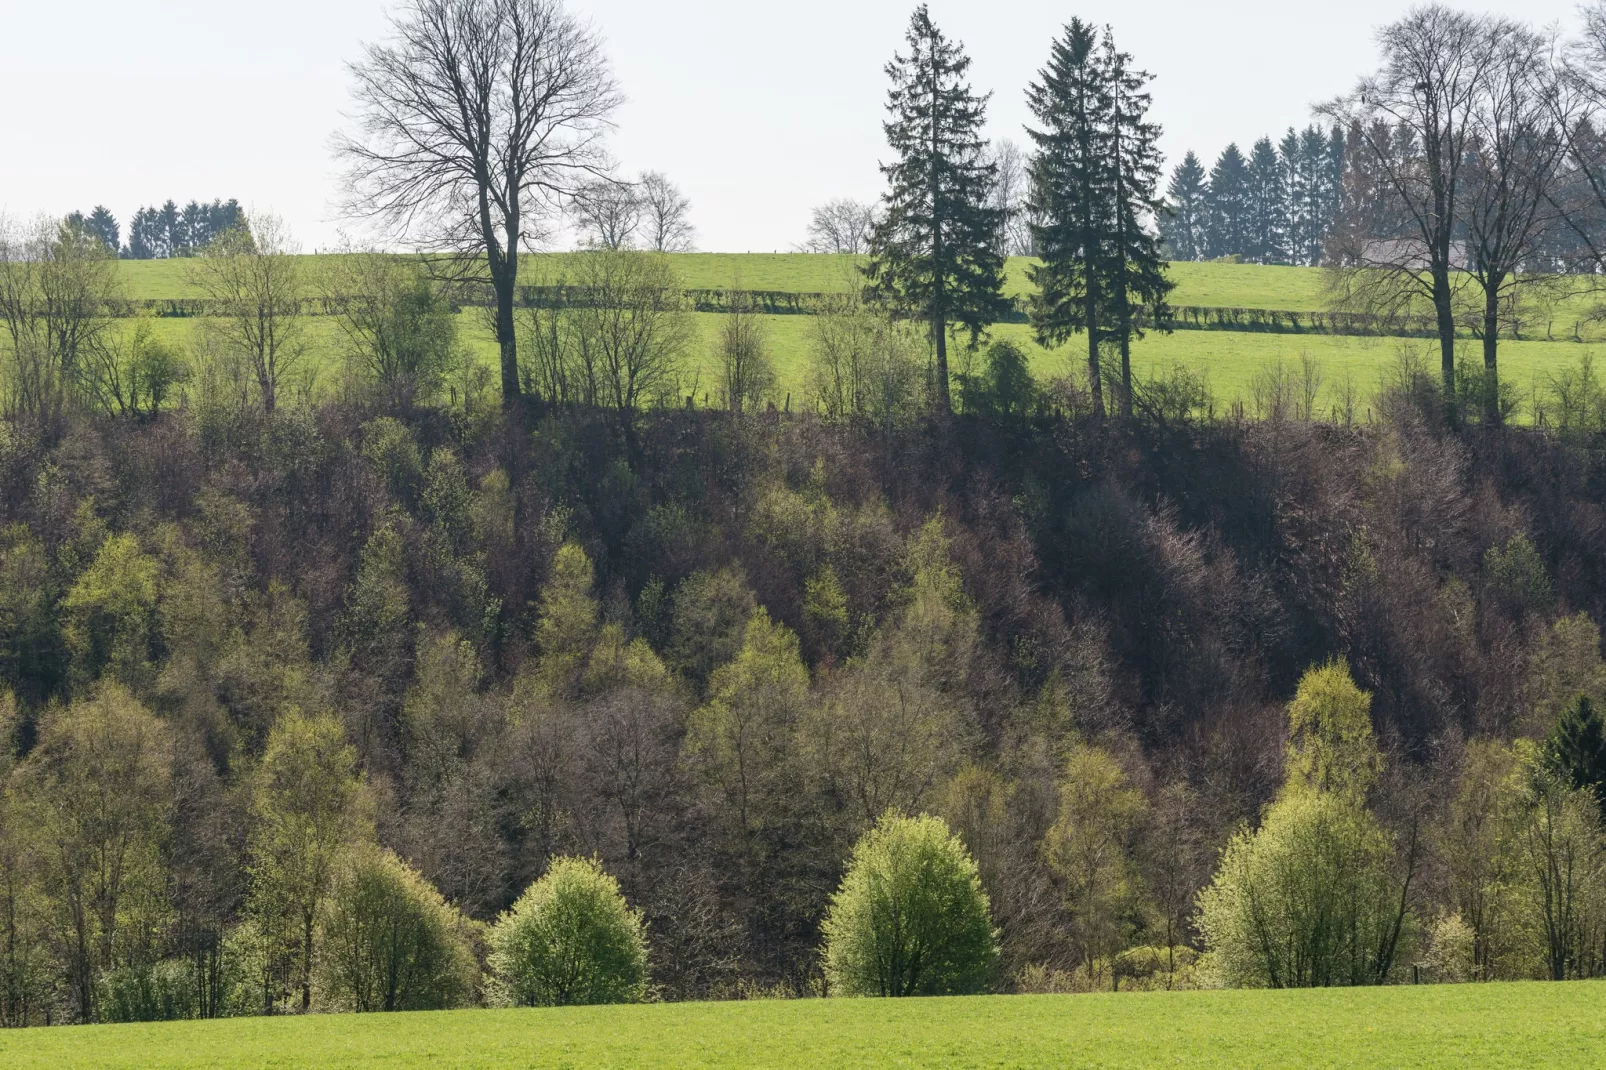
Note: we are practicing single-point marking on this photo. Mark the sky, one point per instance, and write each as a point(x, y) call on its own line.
point(758, 110)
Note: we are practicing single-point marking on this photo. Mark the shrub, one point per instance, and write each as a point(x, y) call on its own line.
point(570, 939)
point(389, 942)
point(911, 918)
point(1307, 900)
point(157, 992)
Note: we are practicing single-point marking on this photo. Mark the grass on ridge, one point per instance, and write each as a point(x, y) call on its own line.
point(1484, 1025)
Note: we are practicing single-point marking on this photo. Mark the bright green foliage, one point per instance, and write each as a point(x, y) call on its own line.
point(1559, 862)
point(307, 807)
point(740, 739)
point(1330, 744)
point(110, 612)
point(567, 627)
point(1473, 844)
point(571, 939)
point(911, 918)
point(389, 942)
point(1309, 899)
point(1092, 848)
point(1575, 749)
point(95, 803)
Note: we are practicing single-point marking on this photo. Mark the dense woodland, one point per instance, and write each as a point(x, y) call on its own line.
point(300, 692)
point(714, 664)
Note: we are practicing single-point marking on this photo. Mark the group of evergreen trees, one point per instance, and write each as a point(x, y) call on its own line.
point(1275, 206)
point(934, 256)
point(160, 233)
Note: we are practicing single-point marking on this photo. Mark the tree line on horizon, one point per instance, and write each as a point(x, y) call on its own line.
point(160, 233)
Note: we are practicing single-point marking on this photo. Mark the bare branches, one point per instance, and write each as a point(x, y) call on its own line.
point(841, 226)
point(665, 214)
point(255, 279)
point(1414, 120)
point(477, 118)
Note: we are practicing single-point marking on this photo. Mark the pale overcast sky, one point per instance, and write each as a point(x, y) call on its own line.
point(759, 110)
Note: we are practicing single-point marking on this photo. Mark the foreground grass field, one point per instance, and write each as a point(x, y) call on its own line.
point(1523, 1025)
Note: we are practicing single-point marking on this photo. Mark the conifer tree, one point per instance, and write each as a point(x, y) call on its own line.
point(1268, 205)
point(1182, 224)
point(1227, 226)
point(1072, 195)
point(1137, 266)
point(1575, 749)
point(934, 256)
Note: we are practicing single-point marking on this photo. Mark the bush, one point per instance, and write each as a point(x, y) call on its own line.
point(911, 918)
point(158, 992)
point(570, 939)
point(389, 942)
point(1307, 900)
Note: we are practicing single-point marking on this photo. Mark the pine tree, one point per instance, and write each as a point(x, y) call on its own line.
point(1182, 224)
point(1136, 265)
point(1072, 196)
point(933, 256)
point(103, 225)
point(1227, 226)
point(1575, 749)
point(1268, 206)
point(1296, 193)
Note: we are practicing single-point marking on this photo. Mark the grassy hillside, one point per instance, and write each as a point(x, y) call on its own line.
point(1228, 361)
point(1526, 1025)
point(1235, 285)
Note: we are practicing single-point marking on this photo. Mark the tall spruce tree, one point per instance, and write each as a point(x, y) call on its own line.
point(1073, 196)
point(1227, 218)
point(1268, 206)
point(1137, 268)
point(934, 255)
point(1182, 225)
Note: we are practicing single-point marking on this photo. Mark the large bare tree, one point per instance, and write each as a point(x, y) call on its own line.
point(476, 119)
point(1415, 118)
point(1513, 162)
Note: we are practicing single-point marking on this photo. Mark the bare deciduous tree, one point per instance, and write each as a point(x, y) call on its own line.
point(632, 328)
point(1435, 67)
point(607, 213)
point(1513, 163)
point(398, 329)
point(841, 226)
point(665, 214)
point(1010, 194)
point(744, 355)
point(254, 279)
point(476, 117)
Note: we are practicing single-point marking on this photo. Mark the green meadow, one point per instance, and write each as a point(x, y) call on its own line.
point(1229, 361)
point(1481, 1025)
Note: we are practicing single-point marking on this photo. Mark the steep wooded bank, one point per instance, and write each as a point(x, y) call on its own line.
point(714, 654)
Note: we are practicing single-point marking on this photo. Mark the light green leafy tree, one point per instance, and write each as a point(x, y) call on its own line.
point(388, 941)
point(910, 918)
point(570, 939)
point(1092, 849)
point(1311, 897)
point(307, 807)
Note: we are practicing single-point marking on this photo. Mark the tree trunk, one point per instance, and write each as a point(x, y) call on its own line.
point(1491, 345)
point(944, 400)
point(1094, 381)
point(1446, 322)
point(506, 341)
